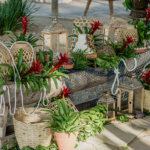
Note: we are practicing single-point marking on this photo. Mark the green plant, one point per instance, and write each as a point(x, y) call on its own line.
point(92, 121)
point(125, 53)
point(128, 4)
point(122, 118)
point(27, 77)
point(64, 119)
point(79, 60)
point(32, 39)
point(146, 112)
point(92, 39)
point(125, 147)
point(142, 31)
point(11, 12)
point(107, 61)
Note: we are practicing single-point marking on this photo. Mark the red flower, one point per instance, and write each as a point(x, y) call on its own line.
point(126, 42)
point(65, 92)
point(25, 22)
point(146, 77)
point(64, 59)
point(96, 25)
point(34, 68)
point(147, 15)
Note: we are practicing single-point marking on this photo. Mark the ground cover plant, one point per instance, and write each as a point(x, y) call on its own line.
point(11, 12)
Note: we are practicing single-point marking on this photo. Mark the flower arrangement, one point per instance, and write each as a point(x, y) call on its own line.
point(32, 39)
point(92, 39)
point(145, 80)
point(65, 93)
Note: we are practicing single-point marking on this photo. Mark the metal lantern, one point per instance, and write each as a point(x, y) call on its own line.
point(55, 35)
point(130, 85)
point(112, 30)
point(109, 102)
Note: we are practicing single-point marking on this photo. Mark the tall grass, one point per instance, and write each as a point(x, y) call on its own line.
point(11, 12)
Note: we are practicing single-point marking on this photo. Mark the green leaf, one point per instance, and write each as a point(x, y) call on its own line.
point(55, 82)
point(31, 85)
point(27, 89)
point(18, 84)
point(79, 30)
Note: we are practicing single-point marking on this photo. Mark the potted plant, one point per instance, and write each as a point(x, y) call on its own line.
point(143, 31)
point(32, 39)
point(66, 125)
point(87, 40)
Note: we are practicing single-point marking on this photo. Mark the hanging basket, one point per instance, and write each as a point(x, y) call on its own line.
point(29, 130)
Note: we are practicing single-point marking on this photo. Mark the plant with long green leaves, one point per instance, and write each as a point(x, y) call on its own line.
point(65, 120)
point(11, 12)
point(127, 4)
point(31, 76)
point(32, 39)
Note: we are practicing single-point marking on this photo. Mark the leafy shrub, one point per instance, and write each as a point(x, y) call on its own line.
point(11, 12)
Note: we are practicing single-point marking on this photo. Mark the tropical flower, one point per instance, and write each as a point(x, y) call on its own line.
point(34, 68)
point(65, 92)
point(96, 25)
point(25, 22)
point(64, 59)
point(146, 77)
point(126, 42)
point(147, 15)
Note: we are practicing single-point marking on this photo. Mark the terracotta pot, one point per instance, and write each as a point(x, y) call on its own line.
point(140, 50)
point(69, 66)
point(46, 58)
point(66, 141)
point(91, 55)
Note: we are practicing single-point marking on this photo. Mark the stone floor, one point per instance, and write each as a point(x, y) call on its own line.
point(133, 135)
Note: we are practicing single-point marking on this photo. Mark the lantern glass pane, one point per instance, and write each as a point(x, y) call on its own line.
point(62, 40)
point(137, 99)
point(110, 113)
point(46, 42)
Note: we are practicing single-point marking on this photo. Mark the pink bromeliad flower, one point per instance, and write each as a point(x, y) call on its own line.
point(95, 26)
point(25, 22)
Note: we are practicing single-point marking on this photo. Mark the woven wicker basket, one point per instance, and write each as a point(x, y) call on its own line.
point(29, 130)
point(27, 52)
point(132, 33)
point(70, 104)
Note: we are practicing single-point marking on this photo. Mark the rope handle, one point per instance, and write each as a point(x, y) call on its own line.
point(6, 87)
point(116, 71)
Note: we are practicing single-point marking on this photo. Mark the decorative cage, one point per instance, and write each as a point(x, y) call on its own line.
point(70, 104)
point(112, 30)
point(131, 33)
point(27, 52)
point(130, 85)
point(4, 58)
point(55, 38)
point(109, 102)
point(80, 22)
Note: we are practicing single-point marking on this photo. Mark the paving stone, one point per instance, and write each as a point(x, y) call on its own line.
point(118, 134)
point(105, 147)
point(142, 123)
point(84, 146)
point(94, 141)
point(141, 144)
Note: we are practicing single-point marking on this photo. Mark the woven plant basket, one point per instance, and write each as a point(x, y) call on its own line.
point(29, 130)
point(27, 52)
point(107, 49)
point(131, 33)
point(70, 104)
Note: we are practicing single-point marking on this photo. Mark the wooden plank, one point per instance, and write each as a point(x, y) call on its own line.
point(119, 99)
point(130, 102)
point(142, 99)
point(111, 9)
point(51, 41)
point(87, 7)
point(114, 113)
